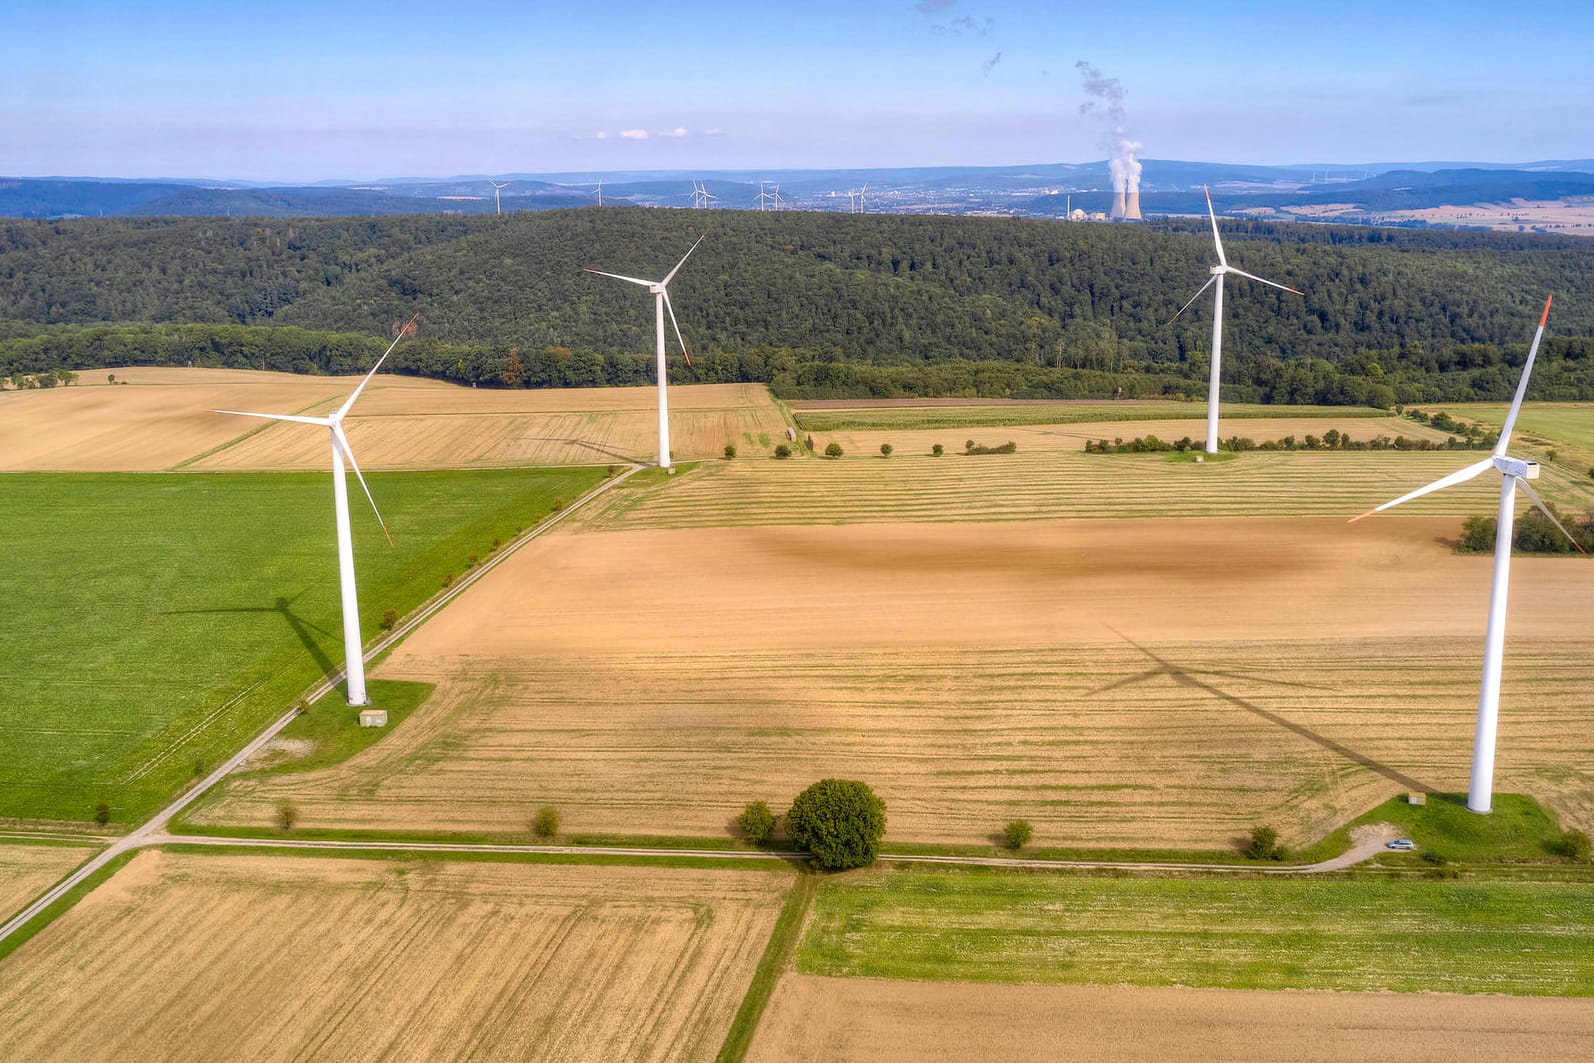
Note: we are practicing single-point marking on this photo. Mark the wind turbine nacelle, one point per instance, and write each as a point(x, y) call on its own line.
point(1522, 470)
point(1217, 270)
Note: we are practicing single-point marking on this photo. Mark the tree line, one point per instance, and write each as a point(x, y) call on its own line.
point(817, 305)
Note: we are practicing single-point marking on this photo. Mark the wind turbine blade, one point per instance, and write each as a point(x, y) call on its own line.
point(408, 327)
point(1522, 385)
point(1193, 298)
point(619, 277)
point(671, 275)
point(1537, 501)
point(1213, 216)
point(348, 452)
point(1458, 477)
point(1264, 280)
point(671, 308)
point(322, 421)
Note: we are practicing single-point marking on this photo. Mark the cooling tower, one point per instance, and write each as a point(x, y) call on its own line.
point(1132, 206)
point(1118, 203)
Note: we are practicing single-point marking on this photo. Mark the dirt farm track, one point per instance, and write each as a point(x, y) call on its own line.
point(845, 1019)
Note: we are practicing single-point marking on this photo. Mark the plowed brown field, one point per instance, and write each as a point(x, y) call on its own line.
point(1134, 683)
point(840, 1019)
point(163, 418)
point(204, 957)
point(27, 870)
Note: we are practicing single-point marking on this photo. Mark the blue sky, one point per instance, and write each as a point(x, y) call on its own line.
point(299, 92)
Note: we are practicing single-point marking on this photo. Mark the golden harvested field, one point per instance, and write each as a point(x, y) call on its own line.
point(1070, 438)
point(163, 419)
point(840, 1019)
point(28, 870)
point(202, 957)
point(1123, 683)
point(1037, 485)
point(466, 427)
point(159, 419)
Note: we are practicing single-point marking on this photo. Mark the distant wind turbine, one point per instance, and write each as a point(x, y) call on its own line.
point(661, 303)
point(1218, 271)
point(701, 196)
point(1514, 473)
point(496, 201)
point(599, 191)
point(353, 646)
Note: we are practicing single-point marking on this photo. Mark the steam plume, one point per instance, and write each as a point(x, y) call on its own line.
point(1107, 100)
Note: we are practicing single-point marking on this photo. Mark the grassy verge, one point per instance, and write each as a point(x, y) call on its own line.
point(709, 863)
point(334, 729)
point(1518, 830)
point(1358, 934)
point(777, 957)
point(62, 904)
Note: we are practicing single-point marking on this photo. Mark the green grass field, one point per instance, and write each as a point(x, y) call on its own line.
point(159, 620)
point(1568, 423)
point(1242, 933)
point(865, 419)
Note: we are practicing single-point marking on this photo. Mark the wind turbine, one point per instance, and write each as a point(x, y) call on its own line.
point(661, 303)
point(1514, 473)
point(498, 203)
point(599, 191)
point(1218, 273)
point(353, 647)
point(701, 196)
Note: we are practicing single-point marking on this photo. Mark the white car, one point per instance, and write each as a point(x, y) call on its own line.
point(1402, 844)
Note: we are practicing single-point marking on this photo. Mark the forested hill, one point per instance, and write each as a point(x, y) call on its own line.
point(815, 303)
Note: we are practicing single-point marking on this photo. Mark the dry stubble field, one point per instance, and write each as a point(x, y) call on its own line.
point(213, 956)
point(1119, 683)
point(841, 1019)
point(162, 418)
point(27, 870)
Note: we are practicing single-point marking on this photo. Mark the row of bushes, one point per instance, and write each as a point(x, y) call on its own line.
point(1532, 533)
point(1333, 439)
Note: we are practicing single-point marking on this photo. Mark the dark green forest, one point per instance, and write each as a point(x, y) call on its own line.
point(814, 304)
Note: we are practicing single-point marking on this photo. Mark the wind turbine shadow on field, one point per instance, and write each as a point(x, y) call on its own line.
point(302, 628)
point(606, 452)
point(1189, 677)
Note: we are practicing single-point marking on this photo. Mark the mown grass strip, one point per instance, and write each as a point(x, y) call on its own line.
point(701, 863)
point(1353, 934)
point(777, 957)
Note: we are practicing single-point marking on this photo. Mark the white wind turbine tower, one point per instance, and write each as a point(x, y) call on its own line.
point(661, 303)
point(599, 191)
point(766, 197)
point(353, 646)
point(1219, 271)
point(497, 203)
point(1514, 473)
point(701, 196)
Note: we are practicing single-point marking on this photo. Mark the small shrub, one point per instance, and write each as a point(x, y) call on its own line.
point(1265, 845)
point(808, 441)
point(840, 821)
point(497, 542)
point(1017, 834)
point(448, 579)
point(757, 823)
point(102, 813)
point(611, 471)
point(1575, 844)
point(1552, 455)
point(545, 824)
point(968, 444)
point(782, 450)
point(287, 815)
point(471, 561)
point(885, 450)
point(558, 504)
point(200, 767)
point(110, 378)
point(1436, 859)
point(833, 450)
point(389, 619)
point(730, 451)
point(937, 450)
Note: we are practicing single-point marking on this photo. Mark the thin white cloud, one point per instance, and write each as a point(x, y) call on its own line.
point(678, 131)
point(600, 135)
point(634, 134)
